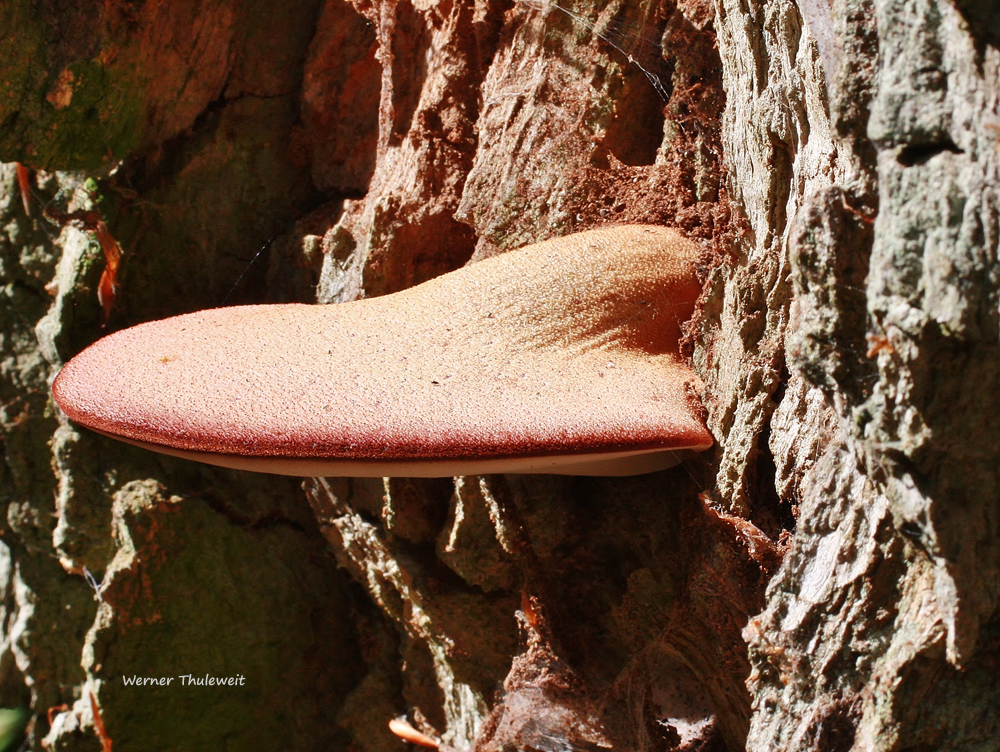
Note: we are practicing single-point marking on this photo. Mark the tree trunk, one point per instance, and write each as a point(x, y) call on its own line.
point(825, 578)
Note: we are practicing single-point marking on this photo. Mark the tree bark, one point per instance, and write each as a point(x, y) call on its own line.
point(825, 578)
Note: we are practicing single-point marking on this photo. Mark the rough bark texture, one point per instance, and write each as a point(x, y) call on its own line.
point(879, 631)
point(837, 160)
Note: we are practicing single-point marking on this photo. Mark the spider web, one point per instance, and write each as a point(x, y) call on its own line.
point(635, 42)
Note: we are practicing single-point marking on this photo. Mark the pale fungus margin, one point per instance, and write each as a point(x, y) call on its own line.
point(560, 357)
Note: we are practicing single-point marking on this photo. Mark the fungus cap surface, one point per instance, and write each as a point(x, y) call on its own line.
point(558, 357)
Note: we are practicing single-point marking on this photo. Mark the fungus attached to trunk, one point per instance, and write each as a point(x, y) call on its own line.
point(561, 357)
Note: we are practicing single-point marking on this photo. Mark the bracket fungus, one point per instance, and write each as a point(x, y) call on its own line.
point(561, 357)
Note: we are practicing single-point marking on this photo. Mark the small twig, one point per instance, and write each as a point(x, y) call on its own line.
point(25, 186)
point(102, 734)
point(50, 715)
point(406, 732)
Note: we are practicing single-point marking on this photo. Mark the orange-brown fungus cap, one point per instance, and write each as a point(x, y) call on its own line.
point(560, 357)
